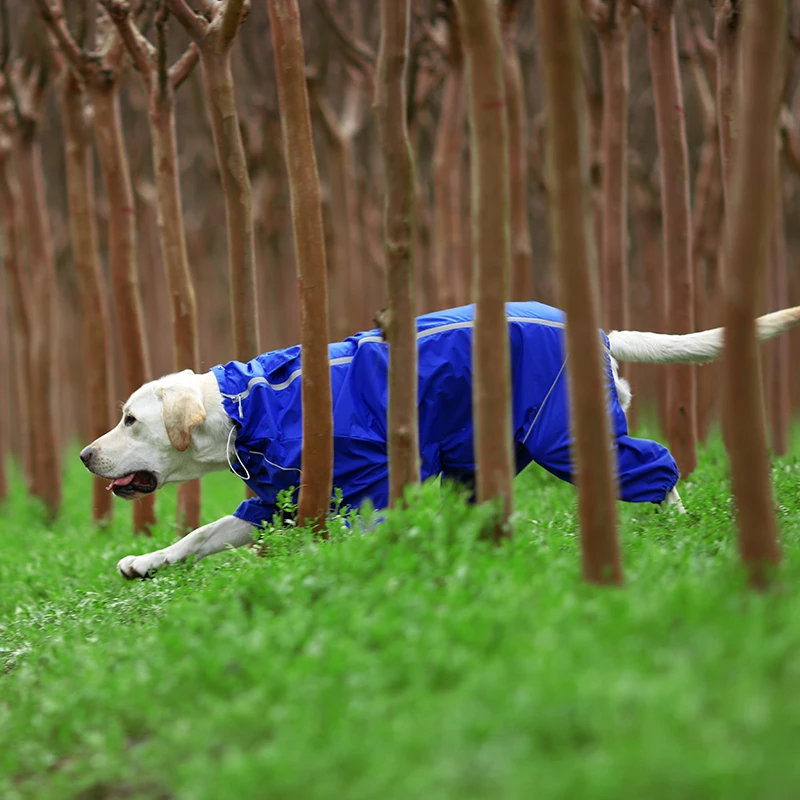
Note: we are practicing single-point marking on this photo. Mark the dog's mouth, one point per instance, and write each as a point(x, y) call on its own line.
point(134, 485)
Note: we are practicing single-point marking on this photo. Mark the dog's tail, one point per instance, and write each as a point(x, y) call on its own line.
point(692, 348)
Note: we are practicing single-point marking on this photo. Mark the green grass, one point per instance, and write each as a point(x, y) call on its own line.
point(417, 661)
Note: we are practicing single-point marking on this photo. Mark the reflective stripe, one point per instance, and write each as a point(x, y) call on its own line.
point(335, 362)
point(277, 466)
point(541, 407)
point(237, 398)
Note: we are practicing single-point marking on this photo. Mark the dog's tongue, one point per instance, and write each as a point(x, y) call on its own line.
point(121, 481)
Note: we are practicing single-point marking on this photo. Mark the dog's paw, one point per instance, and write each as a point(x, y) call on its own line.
point(132, 567)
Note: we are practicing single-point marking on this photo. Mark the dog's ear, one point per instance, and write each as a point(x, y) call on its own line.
point(182, 409)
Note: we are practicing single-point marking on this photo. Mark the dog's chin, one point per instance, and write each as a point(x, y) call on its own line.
point(134, 485)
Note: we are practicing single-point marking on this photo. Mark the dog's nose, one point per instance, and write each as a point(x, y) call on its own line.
point(86, 456)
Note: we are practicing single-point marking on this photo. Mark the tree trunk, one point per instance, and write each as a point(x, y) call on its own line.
point(679, 277)
point(571, 231)
point(653, 257)
point(186, 353)
point(346, 282)
point(304, 189)
point(649, 379)
point(747, 240)
point(5, 390)
point(726, 35)
point(126, 293)
point(238, 195)
point(447, 169)
point(86, 256)
point(44, 342)
point(777, 352)
point(521, 250)
point(401, 328)
point(19, 290)
point(491, 382)
point(614, 253)
point(705, 245)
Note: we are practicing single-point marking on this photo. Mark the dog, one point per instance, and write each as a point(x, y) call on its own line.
point(247, 417)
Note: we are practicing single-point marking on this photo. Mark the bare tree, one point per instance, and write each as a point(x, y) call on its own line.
point(679, 284)
point(777, 353)
point(400, 318)
point(447, 173)
point(491, 381)
point(25, 85)
point(99, 72)
point(348, 285)
point(707, 215)
point(78, 138)
point(647, 380)
point(213, 33)
point(160, 83)
point(726, 36)
point(613, 23)
point(18, 288)
point(5, 391)
point(570, 223)
point(301, 165)
point(746, 247)
point(521, 250)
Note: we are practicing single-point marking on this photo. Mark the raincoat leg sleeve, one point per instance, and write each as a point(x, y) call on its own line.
point(646, 470)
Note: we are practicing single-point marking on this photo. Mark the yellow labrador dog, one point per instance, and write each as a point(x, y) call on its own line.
point(187, 425)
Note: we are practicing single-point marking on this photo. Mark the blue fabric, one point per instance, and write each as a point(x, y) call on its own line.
point(263, 398)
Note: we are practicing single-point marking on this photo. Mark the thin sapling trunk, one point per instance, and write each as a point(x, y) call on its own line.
point(491, 381)
point(748, 233)
point(160, 84)
point(78, 137)
point(400, 327)
point(304, 190)
point(679, 278)
point(521, 251)
point(99, 73)
point(571, 232)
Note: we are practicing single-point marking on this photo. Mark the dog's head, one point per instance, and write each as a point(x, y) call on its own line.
point(152, 443)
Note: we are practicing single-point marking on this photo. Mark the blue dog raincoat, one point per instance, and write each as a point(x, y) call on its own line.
point(263, 398)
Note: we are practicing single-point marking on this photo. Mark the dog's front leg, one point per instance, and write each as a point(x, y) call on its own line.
point(200, 543)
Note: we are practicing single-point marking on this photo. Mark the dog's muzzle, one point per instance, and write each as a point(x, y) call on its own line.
point(128, 486)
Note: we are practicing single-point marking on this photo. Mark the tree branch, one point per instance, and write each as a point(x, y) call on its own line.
point(53, 18)
point(137, 45)
point(330, 122)
point(790, 140)
point(233, 12)
point(162, 12)
point(183, 67)
point(5, 42)
point(81, 24)
point(362, 51)
point(706, 48)
point(5, 53)
point(353, 115)
point(195, 26)
point(611, 14)
point(700, 77)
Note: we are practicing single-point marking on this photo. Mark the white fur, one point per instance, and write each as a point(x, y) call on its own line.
point(145, 445)
point(692, 348)
point(226, 532)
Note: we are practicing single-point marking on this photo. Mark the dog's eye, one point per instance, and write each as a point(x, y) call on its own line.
point(129, 420)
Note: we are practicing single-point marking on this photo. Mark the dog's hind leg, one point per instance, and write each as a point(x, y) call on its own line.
point(228, 531)
point(673, 499)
